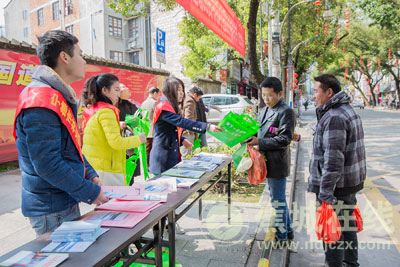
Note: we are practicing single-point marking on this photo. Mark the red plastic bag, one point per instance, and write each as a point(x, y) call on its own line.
point(258, 170)
point(327, 225)
point(358, 219)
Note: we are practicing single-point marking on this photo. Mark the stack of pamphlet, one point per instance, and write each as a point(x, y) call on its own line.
point(183, 173)
point(196, 165)
point(208, 157)
point(35, 259)
point(77, 231)
point(74, 236)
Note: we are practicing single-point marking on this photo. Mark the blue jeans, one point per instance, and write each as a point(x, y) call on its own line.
point(277, 190)
point(49, 222)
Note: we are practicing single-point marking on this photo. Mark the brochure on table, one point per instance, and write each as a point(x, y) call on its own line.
point(183, 173)
point(137, 192)
point(128, 206)
point(196, 165)
point(35, 259)
point(117, 219)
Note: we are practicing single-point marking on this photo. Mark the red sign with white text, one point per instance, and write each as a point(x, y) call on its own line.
point(218, 16)
point(16, 70)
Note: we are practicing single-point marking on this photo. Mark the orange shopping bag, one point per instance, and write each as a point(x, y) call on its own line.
point(358, 219)
point(327, 225)
point(258, 170)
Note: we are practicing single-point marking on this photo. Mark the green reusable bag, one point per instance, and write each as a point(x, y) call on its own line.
point(139, 124)
point(238, 155)
point(197, 142)
point(236, 129)
point(165, 260)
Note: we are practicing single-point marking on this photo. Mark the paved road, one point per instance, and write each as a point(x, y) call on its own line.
point(379, 201)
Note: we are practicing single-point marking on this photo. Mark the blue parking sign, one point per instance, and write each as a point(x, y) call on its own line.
point(160, 41)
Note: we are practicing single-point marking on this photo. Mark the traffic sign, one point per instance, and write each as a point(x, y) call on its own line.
point(160, 46)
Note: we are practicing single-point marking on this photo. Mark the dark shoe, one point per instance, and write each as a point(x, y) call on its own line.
point(290, 235)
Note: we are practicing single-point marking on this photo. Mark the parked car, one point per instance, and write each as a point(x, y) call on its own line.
point(357, 104)
point(220, 105)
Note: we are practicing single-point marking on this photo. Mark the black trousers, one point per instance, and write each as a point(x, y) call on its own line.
point(346, 249)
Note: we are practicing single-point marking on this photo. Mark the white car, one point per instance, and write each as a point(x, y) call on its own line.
point(220, 104)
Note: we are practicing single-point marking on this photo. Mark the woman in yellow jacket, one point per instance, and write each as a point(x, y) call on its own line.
point(103, 145)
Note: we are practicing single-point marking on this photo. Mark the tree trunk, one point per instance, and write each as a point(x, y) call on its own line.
point(252, 48)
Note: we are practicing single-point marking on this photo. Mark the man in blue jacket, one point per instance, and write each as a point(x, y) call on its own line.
point(55, 174)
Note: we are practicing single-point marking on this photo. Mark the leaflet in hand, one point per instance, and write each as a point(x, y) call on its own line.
point(183, 173)
point(35, 259)
point(196, 165)
point(117, 219)
point(128, 206)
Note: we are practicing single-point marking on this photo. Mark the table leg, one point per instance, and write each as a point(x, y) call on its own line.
point(171, 237)
point(157, 244)
point(200, 209)
point(229, 191)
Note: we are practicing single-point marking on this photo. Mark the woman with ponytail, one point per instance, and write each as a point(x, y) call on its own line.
point(103, 145)
point(168, 125)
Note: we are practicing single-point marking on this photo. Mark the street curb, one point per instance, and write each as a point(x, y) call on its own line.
point(267, 252)
point(286, 253)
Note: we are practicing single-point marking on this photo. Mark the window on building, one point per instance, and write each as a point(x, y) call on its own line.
point(26, 32)
point(134, 58)
point(40, 16)
point(70, 29)
point(24, 14)
point(56, 10)
point(115, 26)
point(68, 7)
point(116, 55)
point(133, 28)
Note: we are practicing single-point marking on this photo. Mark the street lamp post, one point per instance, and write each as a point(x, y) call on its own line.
point(327, 14)
point(92, 29)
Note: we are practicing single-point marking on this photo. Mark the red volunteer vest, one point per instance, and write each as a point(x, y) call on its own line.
point(90, 111)
point(46, 97)
point(165, 105)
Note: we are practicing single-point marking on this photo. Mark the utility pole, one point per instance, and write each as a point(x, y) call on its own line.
point(274, 51)
point(289, 92)
point(261, 42)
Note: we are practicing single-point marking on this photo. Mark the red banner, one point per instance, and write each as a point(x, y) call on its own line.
point(218, 16)
point(16, 70)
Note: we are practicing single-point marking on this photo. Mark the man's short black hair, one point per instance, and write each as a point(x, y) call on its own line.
point(272, 82)
point(196, 90)
point(52, 43)
point(153, 90)
point(329, 81)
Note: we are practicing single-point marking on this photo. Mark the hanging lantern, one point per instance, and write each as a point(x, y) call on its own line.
point(317, 3)
point(296, 75)
point(389, 53)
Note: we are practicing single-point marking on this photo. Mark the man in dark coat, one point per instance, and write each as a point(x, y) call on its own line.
point(275, 148)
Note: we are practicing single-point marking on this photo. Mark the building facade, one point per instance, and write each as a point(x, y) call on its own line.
point(17, 21)
point(101, 31)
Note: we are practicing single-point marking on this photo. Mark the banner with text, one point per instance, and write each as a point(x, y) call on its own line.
point(16, 70)
point(218, 16)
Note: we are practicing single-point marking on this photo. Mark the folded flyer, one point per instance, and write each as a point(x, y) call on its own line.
point(35, 259)
point(117, 219)
point(128, 206)
point(183, 173)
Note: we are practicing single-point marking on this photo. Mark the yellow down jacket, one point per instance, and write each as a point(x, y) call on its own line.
point(105, 148)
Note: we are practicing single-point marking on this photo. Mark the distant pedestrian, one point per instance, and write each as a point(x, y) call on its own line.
point(338, 164)
point(190, 112)
point(150, 104)
point(201, 110)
